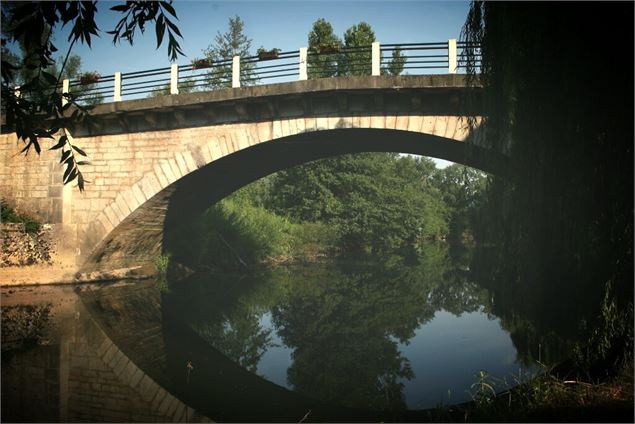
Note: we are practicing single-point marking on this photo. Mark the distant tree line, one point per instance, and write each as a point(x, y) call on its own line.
point(350, 204)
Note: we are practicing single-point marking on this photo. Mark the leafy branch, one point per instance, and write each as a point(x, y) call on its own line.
point(40, 110)
point(138, 13)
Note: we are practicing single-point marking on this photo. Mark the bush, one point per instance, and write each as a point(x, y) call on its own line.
point(8, 214)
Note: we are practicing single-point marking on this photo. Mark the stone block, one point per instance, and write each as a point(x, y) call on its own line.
point(242, 139)
point(428, 124)
point(214, 147)
point(112, 218)
point(167, 171)
point(55, 191)
point(264, 130)
point(391, 121)
point(180, 162)
point(321, 123)
point(123, 205)
point(450, 131)
point(414, 123)
point(179, 413)
point(276, 129)
point(158, 398)
point(175, 168)
point(378, 121)
point(440, 126)
point(189, 161)
point(285, 128)
point(119, 214)
point(402, 123)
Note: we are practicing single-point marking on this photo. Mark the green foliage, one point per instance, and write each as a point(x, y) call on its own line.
point(463, 191)
point(162, 262)
point(327, 59)
point(40, 112)
point(8, 214)
point(482, 391)
point(610, 341)
point(358, 61)
point(396, 65)
point(377, 201)
point(322, 65)
point(227, 45)
point(563, 215)
point(188, 85)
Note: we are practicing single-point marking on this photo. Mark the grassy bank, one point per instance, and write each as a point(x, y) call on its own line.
point(547, 398)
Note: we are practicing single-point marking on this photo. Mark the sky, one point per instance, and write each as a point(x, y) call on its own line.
point(280, 24)
point(270, 24)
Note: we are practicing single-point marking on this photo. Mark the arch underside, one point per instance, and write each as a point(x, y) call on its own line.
point(149, 230)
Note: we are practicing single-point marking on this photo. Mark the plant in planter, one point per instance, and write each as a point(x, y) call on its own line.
point(201, 63)
point(329, 48)
point(267, 54)
point(89, 78)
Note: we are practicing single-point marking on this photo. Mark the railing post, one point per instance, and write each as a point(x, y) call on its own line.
point(117, 96)
point(376, 54)
point(174, 79)
point(236, 72)
point(66, 88)
point(303, 57)
point(452, 63)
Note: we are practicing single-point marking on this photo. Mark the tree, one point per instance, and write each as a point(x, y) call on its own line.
point(563, 215)
point(463, 190)
point(328, 59)
point(188, 85)
point(232, 43)
point(84, 93)
point(321, 37)
point(396, 65)
point(358, 59)
point(33, 23)
point(377, 201)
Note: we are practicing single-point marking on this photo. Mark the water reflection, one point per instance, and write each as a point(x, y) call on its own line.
point(367, 340)
point(351, 332)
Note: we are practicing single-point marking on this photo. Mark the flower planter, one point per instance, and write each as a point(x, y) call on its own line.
point(89, 78)
point(201, 64)
point(329, 49)
point(268, 55)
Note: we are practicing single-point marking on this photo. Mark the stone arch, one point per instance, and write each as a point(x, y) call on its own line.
point(228, 139)
point(136, 220)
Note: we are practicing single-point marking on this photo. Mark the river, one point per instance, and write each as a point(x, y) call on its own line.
point(379, 338)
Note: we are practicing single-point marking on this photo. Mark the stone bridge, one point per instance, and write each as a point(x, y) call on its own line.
point(159, 162)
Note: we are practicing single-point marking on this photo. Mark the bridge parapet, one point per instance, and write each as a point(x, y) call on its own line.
point(451, 56)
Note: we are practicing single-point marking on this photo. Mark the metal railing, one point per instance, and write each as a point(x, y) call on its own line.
point(276, 67)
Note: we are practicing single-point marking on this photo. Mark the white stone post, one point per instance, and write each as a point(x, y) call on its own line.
point(303, 56)
point(376, 52)
point(174, 79)
point(66, 88)
point(236, 72)
point(117, 95)
point(452, 62)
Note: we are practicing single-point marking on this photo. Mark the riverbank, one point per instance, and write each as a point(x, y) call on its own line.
point(548, 398)
point(59, 274)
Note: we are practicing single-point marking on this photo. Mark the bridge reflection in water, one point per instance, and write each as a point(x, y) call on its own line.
point(78, 374)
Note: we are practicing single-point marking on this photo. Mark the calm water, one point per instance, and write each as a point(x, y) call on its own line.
point(374, 339)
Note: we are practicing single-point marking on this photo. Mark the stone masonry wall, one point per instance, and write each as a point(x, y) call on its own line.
point(31, 183)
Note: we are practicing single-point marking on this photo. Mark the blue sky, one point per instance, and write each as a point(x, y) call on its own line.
point(281, 24)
